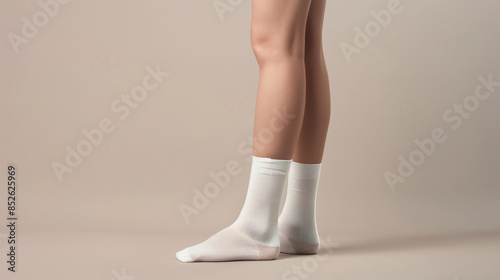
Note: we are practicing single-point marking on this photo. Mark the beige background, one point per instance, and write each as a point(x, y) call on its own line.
point(394, 91)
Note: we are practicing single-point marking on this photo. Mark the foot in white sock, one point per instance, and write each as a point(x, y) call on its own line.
point(254, 234)
point(297, 223)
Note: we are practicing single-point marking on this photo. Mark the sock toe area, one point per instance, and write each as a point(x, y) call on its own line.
point(184, 256)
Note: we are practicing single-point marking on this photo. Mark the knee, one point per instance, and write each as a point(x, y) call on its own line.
point(273, 46)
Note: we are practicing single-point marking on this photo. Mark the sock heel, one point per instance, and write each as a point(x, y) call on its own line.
point(291, 246)
point(268, 252)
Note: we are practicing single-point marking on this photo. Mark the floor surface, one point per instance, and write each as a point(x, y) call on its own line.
point(108, 256)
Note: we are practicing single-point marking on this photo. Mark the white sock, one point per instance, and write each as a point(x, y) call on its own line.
point(297, 223)
point(254, 234)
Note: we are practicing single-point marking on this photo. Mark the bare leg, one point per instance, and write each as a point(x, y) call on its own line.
point(278, 40)
point(278, 34)
point(314, 129)
point(297, 223)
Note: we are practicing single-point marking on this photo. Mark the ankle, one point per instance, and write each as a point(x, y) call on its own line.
point(305, 232)
point(263, 233)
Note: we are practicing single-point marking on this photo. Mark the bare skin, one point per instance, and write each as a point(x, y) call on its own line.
point(286, 38)
point(293, 81)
